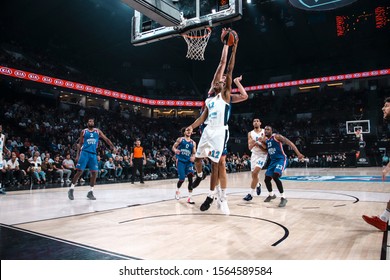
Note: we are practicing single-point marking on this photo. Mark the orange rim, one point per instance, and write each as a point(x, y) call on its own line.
point(208, 32)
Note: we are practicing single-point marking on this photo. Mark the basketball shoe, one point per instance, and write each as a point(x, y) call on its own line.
point(376, 222)
point(258, 189)
point(90, 195)
point(269, 198)
point(283, 202)
point(224, 206)
point(70, 194)
point(190, 201)
point(206, 204)
point(218, 197)
point(198, 180)
point(248, 197)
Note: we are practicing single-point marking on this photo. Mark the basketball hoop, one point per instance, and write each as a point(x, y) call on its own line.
point(197, 41)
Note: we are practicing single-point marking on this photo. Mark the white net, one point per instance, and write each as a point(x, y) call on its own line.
point(197, 42)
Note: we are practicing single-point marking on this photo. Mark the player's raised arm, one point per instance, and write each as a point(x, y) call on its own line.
point(242, 95)
point(221, 66)
point(229, 73)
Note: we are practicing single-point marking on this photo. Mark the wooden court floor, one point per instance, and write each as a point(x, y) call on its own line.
point(322, 221)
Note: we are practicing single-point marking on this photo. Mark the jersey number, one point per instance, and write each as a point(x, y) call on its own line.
point(215, 154)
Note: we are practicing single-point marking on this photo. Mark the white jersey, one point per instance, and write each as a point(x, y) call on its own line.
point(219, 111)
point(215, 135)
point(258, 156)
point(256, 136)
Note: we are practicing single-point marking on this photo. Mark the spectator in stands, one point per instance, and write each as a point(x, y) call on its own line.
point(102, 172)
point(126, 167)
point(60, 171)
point(13, 171)
point(118, 166)
point(37, 154)
point(68, 164)
point(36, 171)
point(161, 165)
point(24, 167)
point(48, 168)
point(109, 166)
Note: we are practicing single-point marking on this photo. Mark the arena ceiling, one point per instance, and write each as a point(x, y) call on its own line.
point(275, 39)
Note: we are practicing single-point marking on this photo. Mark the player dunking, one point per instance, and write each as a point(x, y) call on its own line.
point(87, 156)
point(278, 162)
point(259, 156)
point(380, 222)
point(185, 149)
point(216, 134)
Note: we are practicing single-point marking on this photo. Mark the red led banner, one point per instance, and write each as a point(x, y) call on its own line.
point(333, 78)
point(179, 103)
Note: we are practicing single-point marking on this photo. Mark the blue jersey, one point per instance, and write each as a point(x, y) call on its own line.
point(91, 140)
point(275, 149)
point(186, 148)
point(277, 156)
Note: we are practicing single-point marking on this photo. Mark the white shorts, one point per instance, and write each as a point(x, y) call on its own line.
point(212, 143)
point(258, 160)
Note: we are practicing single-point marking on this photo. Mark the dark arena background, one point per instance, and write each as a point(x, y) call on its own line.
point(318, 72)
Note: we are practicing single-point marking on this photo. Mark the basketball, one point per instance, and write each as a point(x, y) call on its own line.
point(229, 37)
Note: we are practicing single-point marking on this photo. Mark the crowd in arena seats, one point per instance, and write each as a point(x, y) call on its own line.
point(42, 135)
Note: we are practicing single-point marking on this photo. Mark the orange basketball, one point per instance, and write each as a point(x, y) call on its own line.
point(229, 37)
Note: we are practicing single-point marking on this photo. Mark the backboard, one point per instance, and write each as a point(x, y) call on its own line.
point(159, 21)
point(353, 126)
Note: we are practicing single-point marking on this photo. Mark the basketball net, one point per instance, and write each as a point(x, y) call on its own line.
point(196, 42)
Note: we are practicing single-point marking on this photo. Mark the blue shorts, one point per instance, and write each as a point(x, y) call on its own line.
point(276, 166)
point(184, 168)
point(87, 160)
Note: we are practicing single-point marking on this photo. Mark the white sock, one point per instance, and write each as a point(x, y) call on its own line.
point(271, 193)
point(72, 186)
point(282, 195)
point(189, 194)
point(253, 192)
point(91, 189)
point(385, 215)
point(200, 174)
point(211, 194)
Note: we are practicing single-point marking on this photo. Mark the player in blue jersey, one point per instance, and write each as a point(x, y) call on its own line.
point(185, 149)
point(87, 156)
point(278, 160)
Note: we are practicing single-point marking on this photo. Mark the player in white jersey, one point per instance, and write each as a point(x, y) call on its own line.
point(216, 134)
point(259, 156)
point(3, 149)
